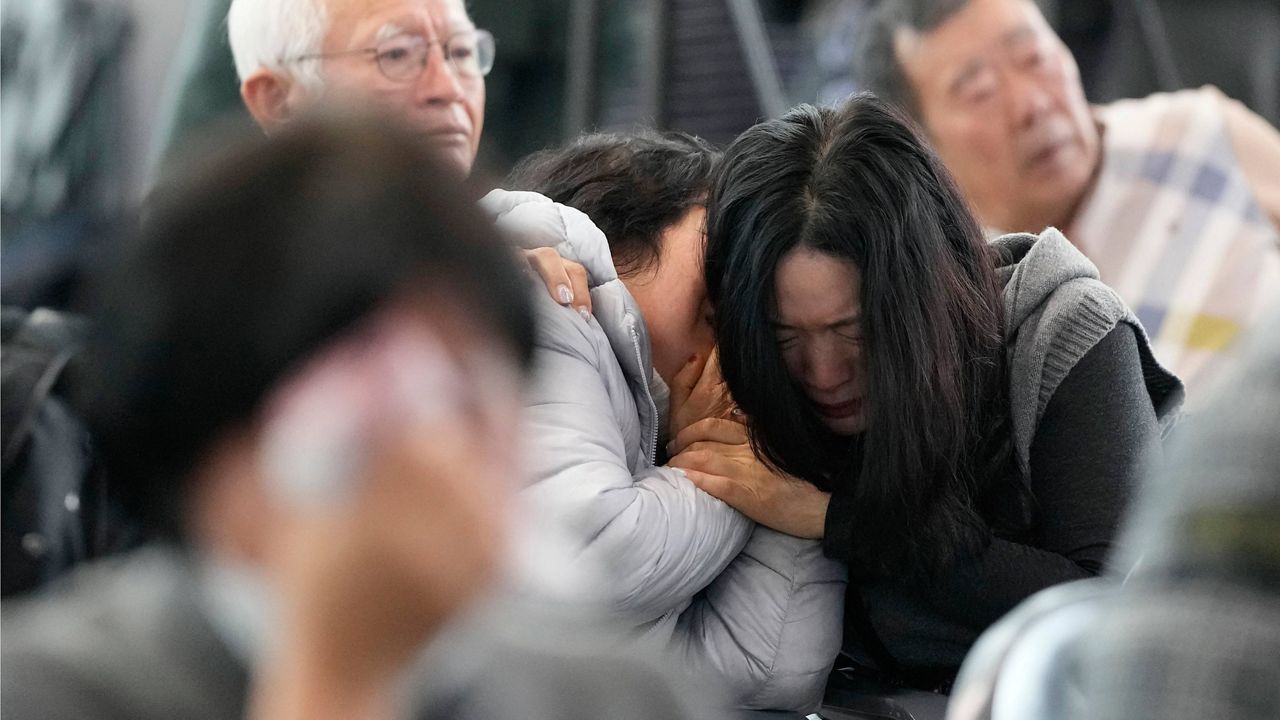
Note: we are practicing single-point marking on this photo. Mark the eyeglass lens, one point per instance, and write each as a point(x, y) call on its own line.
point(404, 57)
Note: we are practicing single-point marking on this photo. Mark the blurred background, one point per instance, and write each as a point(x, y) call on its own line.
point(96, 93)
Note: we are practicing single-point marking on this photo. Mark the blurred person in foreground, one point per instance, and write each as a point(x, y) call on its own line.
point(421, 61)
point(1174, 197)
point(309, 370)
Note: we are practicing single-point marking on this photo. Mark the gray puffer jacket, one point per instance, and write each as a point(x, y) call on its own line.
point(758, 609)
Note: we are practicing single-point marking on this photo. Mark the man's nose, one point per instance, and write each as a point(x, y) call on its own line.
point(439, 82)
point(1026, 97)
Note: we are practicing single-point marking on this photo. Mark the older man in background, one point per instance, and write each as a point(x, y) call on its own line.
point(422, 61)
point(1175, 197)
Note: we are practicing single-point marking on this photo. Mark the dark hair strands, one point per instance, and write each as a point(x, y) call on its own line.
point(858, 184)
point(632, 185)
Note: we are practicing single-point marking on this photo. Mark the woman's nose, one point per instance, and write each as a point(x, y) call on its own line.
point(827, 369)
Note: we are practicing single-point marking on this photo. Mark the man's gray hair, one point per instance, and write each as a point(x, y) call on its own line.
point(876, 66)
point(271, 33)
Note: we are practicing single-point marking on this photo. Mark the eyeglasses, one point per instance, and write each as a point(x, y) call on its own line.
point(403, 58)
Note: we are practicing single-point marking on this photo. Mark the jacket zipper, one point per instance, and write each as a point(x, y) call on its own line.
point(652, 449)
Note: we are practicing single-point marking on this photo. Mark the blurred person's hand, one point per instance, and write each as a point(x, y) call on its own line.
point(716, 454)
point(371, 560)
point(698, 392)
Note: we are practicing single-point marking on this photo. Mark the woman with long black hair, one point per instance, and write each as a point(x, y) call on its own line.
point(962, 422)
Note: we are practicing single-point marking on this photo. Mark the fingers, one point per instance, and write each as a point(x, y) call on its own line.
point(566, 281)
point(683, 383)
point(710, 387)
point(709, 380)
point(709, 458)
point(709, 429)
point(717, 486)
point(578, 285)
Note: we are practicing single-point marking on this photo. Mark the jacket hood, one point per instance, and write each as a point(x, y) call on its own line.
point(1031, 267)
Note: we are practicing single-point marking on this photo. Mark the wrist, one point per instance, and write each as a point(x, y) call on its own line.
point(838, 527)
point(299, 688)
point(816, 517)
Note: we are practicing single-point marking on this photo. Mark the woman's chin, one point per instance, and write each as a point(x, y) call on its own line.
point(845, 426)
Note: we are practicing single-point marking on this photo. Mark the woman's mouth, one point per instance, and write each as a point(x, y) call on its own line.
point(836, 411)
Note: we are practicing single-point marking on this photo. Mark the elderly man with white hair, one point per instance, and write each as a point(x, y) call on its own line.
point(290, 52)
point(421, 61)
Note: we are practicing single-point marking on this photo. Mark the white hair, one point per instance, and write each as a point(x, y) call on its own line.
point(271, 33)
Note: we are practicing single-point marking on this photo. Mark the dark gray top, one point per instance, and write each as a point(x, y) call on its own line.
point(128, 640)
point(1086, 459)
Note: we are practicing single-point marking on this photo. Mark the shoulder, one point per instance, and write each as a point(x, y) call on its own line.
point(119, 638)
point(1166, 122)
point(531, 220)
point(566, 662)
point(561, 331)
point(1162, 104)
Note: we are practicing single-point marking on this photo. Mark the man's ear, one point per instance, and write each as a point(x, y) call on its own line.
point(272, 98)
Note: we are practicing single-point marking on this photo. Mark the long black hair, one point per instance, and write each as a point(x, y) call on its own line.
point(857, 183)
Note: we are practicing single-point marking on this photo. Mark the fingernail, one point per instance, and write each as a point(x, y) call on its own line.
point(585, 314)
point(566, 295)
point(737, 411)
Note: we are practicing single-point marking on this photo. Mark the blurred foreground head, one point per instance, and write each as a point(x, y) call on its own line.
point(318, 319)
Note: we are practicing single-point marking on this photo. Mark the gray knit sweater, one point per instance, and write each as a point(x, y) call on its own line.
point(1056, 310)
point(1089, 405)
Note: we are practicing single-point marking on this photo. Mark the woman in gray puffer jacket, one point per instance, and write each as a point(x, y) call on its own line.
point(752, 607)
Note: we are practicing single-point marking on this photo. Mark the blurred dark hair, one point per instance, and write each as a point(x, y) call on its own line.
point(876, 65)
point(858, 184)
point(255, 260)
point(633, 186)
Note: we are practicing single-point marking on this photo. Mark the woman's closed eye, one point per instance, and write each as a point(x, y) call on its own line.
point(851, 334)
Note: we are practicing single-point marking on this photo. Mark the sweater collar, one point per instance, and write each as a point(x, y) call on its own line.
point(1031, 267)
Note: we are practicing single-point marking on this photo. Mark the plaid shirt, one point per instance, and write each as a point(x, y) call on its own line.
point(1173, 225)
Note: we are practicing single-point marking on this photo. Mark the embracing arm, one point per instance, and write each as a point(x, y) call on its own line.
point(661, 538)
point(770, 624)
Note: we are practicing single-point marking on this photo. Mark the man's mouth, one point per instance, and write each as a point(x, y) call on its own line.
point(1048, 153)
point(449, 133)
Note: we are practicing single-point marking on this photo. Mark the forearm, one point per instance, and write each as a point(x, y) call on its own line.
point(770, 625)
point(659, 538)
point(299, 683)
